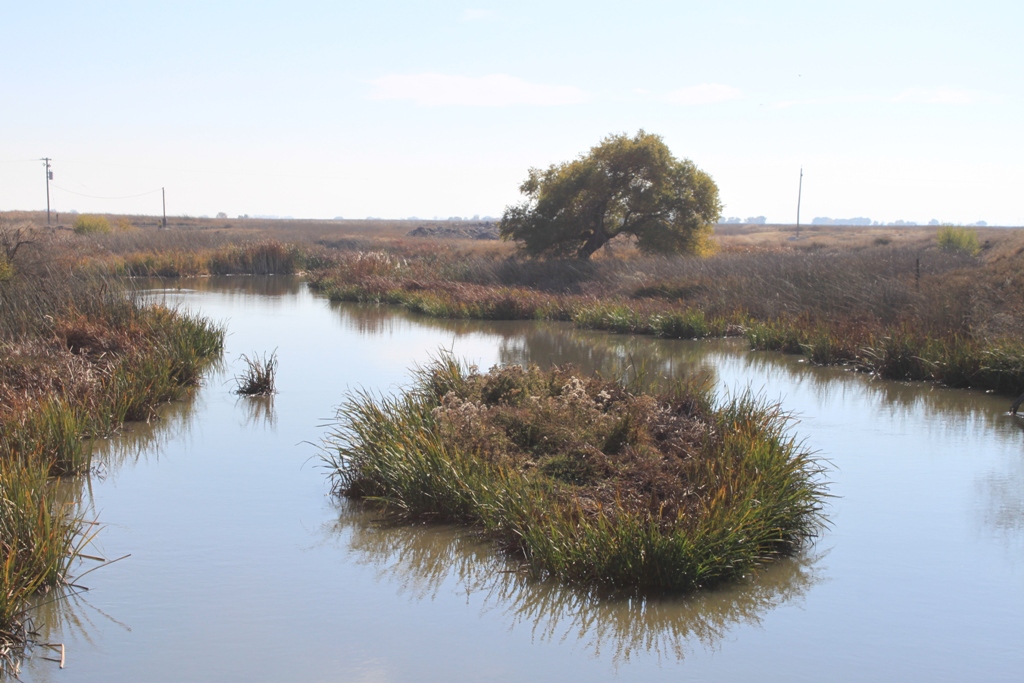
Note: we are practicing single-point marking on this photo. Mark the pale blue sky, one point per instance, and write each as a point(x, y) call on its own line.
point(896, 110)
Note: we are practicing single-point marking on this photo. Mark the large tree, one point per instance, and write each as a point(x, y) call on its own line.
point(623, 186)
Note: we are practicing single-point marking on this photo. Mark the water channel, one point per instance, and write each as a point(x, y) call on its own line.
point(243, 567)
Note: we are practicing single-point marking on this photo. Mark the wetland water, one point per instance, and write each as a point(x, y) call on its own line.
point(243, 567)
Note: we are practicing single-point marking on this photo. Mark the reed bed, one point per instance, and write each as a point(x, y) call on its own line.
point(150, 253)
point(587, 481)
point(263, 257)
point(79, 355)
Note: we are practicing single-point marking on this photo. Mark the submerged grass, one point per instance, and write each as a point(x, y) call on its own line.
point(586, 480)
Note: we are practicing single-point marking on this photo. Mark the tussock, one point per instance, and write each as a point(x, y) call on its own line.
point(586, 480)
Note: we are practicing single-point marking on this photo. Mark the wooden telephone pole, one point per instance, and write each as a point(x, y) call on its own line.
point(799, 192)
point(49, 177)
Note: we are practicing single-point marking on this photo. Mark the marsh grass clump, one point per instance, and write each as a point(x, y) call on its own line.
point(258, 375)
point(958, 239)
point(40, 533)
point(87, 224)
point(588, 481)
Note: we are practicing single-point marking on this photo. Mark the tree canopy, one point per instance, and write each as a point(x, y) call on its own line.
point(623, 186)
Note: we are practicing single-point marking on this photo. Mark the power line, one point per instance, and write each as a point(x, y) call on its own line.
point(216, 171)
point(90, 196)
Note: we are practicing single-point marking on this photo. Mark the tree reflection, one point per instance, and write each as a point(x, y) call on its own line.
point(424, 559)
point(651, 361)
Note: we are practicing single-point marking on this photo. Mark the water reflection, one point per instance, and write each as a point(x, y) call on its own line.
point(64, 612)
point(143, 441)
point(959, 409)
point(1003, 494)
point(423, 560)
point(225, 285)
point(926, 474)
point(523, 342)
point(652, 362)
point(955, 413)
point(625, 356)
point(369, 319)
point(257, 412)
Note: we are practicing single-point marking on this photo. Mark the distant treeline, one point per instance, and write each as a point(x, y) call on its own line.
point(861, 220)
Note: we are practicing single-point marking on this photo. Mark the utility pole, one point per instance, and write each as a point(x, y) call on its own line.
point(163, 196)
point(49, 177)
point(799, 192)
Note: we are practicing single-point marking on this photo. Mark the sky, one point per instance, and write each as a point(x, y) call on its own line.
point(894, 110)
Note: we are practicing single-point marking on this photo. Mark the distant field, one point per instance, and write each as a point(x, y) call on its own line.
point(730, 237)
point(305, 230)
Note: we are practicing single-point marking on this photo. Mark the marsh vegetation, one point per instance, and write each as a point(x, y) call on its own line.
point(258, 373)
point(921, 474)
point(86, 353)
point(79, 356)
point(922, 312)
point(583, 479)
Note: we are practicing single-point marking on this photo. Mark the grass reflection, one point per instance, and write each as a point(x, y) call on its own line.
point(143, 440)
point(258, 412)
point(424, 560)
point(617, 355)
point(229, 285)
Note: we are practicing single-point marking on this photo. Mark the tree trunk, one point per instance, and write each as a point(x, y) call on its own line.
point(597, 239)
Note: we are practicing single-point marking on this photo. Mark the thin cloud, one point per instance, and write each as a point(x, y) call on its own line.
point(940, 96)
point(705, 93)
point(476, 14)
point(843, 99)
point(494, 90)
point(908, 96)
